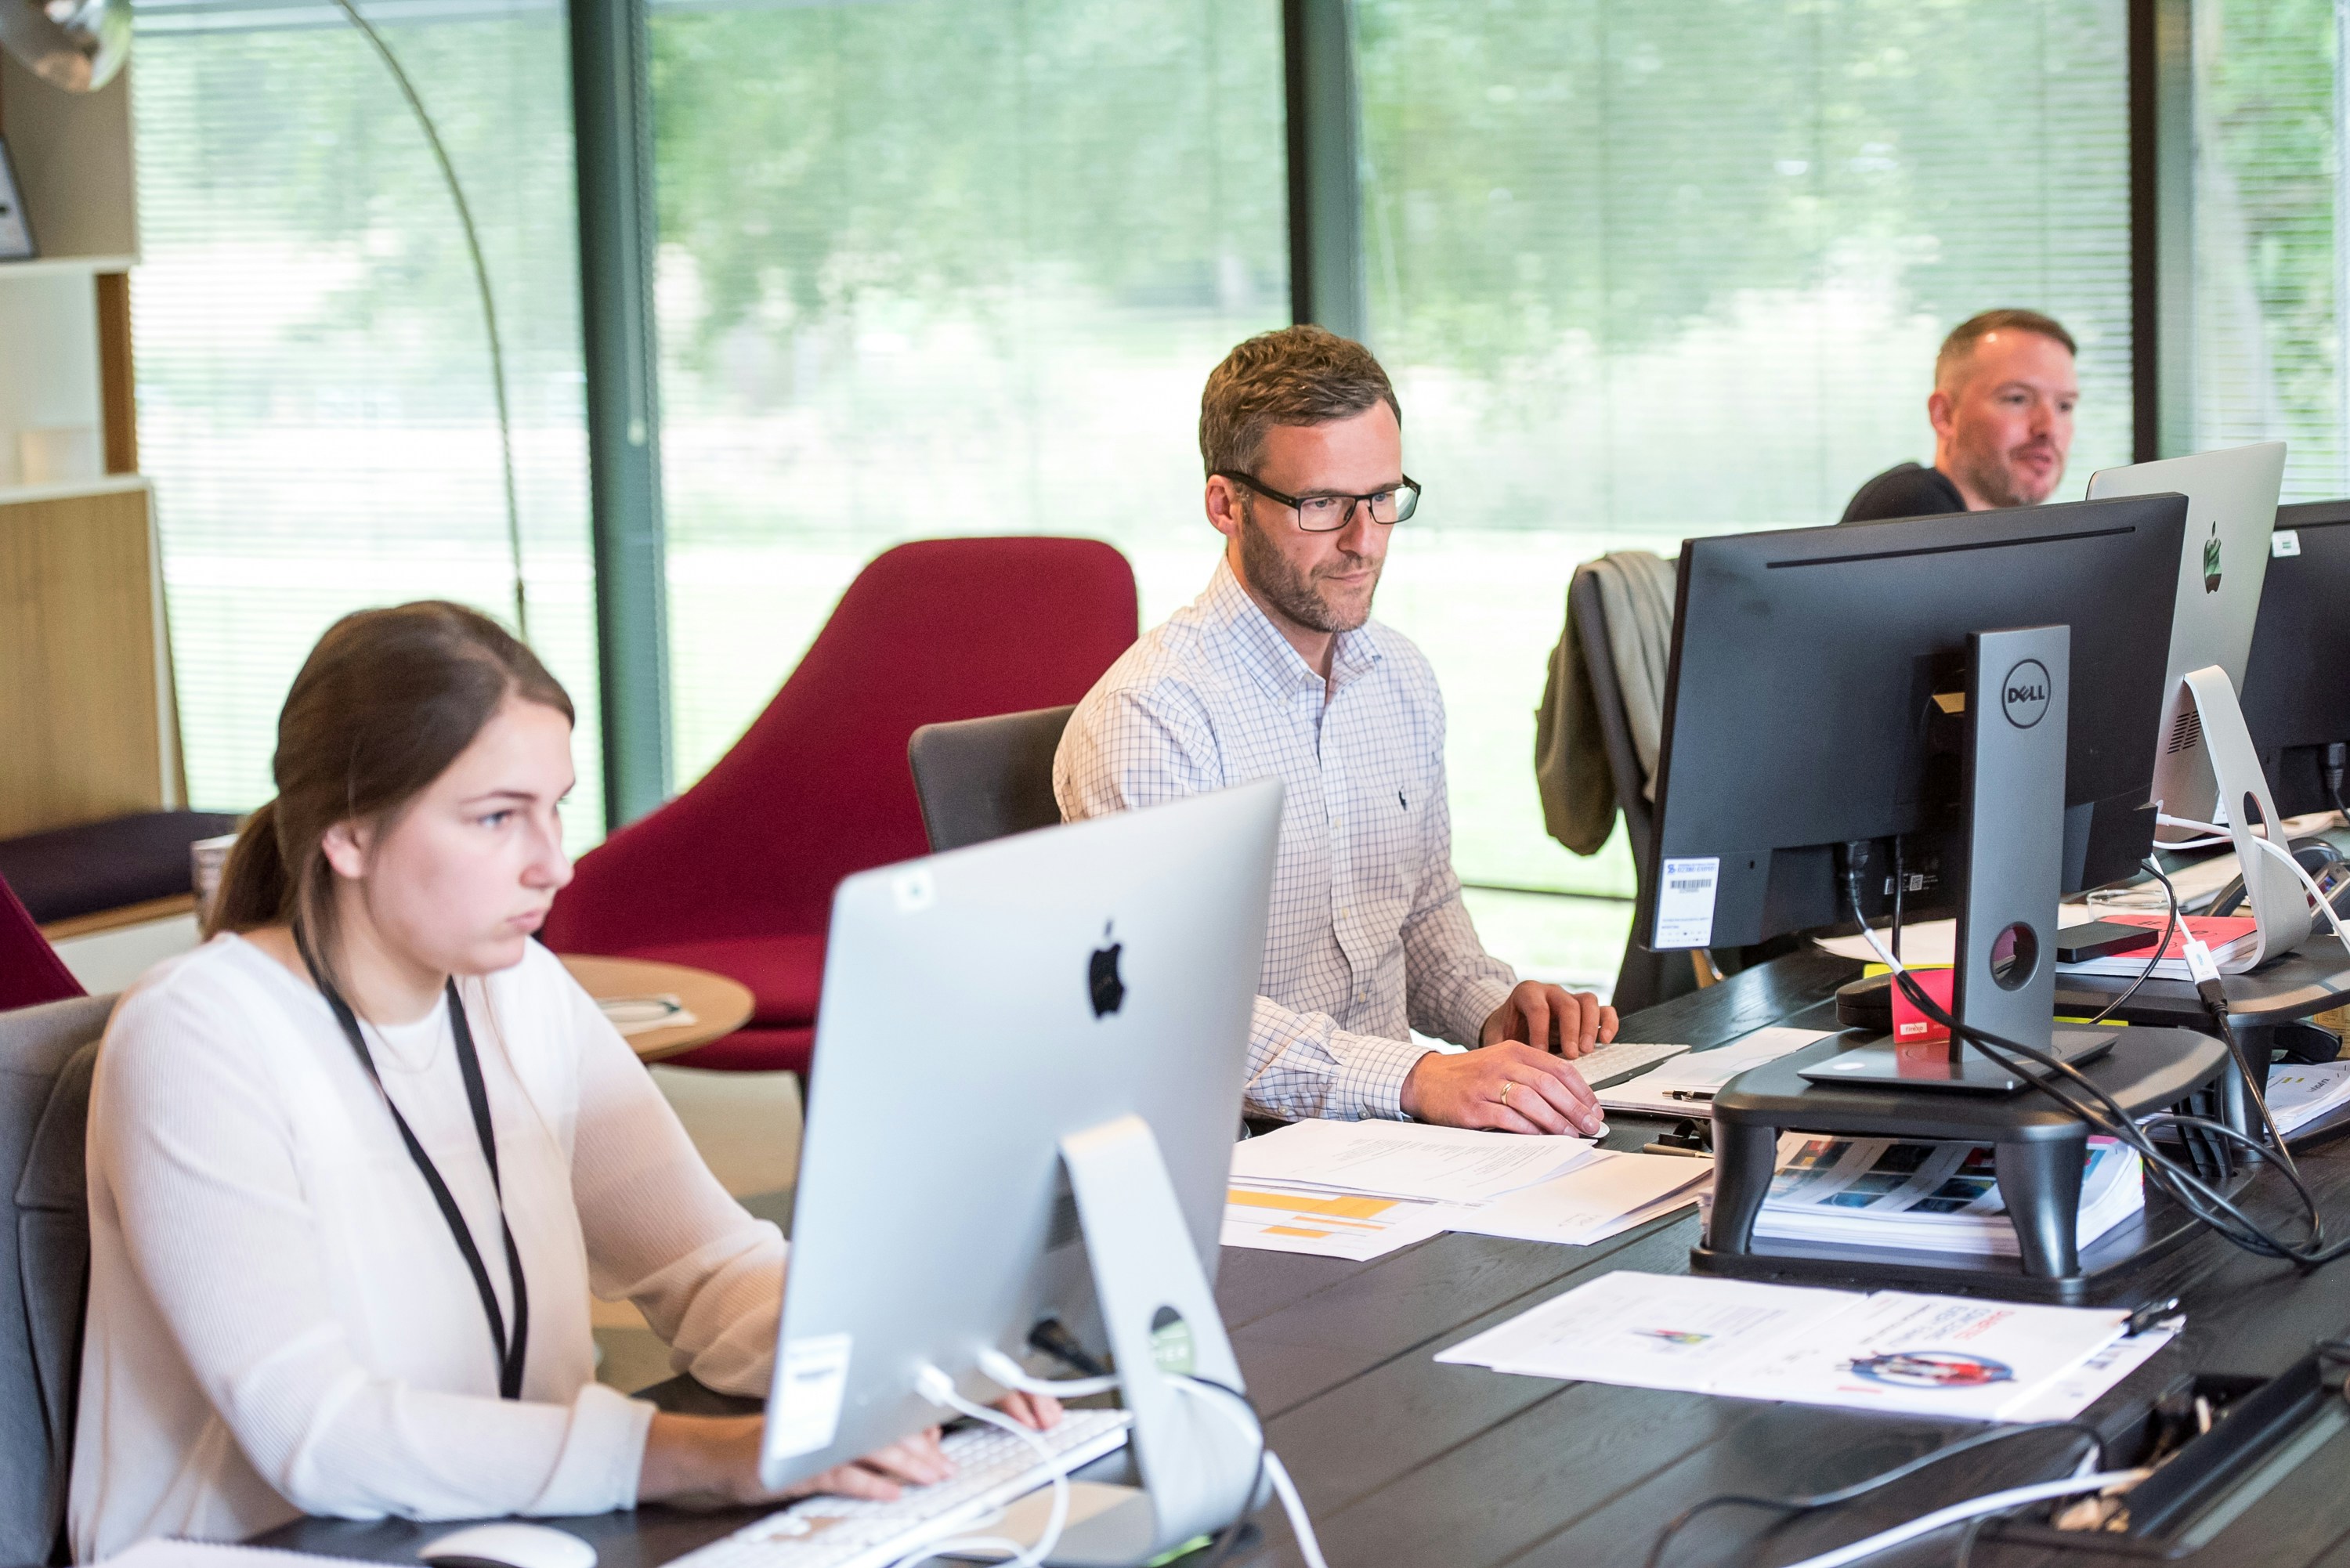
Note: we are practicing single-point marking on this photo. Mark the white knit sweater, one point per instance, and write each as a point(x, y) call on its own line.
point(279, 1320)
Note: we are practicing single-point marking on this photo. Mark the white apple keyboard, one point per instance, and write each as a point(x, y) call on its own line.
point(1614, 1063)
point(993, 1467)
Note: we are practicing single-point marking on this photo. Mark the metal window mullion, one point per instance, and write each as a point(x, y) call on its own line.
point(612, 123)
point(1327, 280)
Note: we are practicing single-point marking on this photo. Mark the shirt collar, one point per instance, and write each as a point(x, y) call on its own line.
point(1268, 655)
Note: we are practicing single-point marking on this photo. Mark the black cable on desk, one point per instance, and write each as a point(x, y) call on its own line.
point(2206, 1205)
point(1794, 1505)
point(2169, 926)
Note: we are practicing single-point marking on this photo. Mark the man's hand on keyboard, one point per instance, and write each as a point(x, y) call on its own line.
point(1508, 1087)
point(713, 1461)
point(1569, 1022)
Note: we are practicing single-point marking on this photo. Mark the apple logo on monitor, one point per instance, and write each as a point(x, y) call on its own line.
point(1102, 979)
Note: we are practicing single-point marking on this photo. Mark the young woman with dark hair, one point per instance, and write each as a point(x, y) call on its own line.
point(357, 1163)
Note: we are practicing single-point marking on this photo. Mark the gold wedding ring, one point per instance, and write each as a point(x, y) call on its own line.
point(1507, 1084)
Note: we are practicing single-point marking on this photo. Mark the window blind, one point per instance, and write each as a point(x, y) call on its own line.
point(2268, 349)
point(947, 266)
point(313, 388)
point(1651, 270)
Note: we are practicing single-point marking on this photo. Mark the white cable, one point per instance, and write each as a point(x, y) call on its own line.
point(1301, 1524)
point(1001, 1370)
point(939, 1389)
point(2309, 883)
point(1959, 1513)
point(1294, 1505)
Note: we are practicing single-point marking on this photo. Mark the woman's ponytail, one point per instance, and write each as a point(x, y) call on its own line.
point(254, 888)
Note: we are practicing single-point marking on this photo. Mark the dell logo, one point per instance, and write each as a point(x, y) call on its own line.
point(2023, 695)
point(1102, 979)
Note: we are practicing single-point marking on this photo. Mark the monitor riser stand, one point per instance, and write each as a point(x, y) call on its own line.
point(1935, 1066)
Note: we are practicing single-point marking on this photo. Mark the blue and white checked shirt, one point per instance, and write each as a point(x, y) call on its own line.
point(1368, 938)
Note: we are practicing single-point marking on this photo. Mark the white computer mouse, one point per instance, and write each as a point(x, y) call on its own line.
point(508, 1546)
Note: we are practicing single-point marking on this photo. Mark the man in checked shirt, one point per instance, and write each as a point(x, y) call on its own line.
point(1279, 669)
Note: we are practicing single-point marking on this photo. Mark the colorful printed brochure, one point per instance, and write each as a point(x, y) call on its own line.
point(1926, 1197)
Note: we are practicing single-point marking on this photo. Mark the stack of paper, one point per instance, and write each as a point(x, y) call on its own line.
point(2300, 1095)
point(1684, 1085)
point(1358, 1189)
point(1403, 1160)
point(1941, 1356)
point(2232, 938)
point(1926, 1197)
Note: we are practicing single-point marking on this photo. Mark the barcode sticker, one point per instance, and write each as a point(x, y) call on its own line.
point(1684, 902)
point(2284, 543)
point(806, 1412)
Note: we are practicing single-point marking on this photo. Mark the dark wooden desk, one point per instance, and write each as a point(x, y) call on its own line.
point(1406, 1462)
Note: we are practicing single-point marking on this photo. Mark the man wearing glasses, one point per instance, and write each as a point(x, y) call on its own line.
point(1279, 669)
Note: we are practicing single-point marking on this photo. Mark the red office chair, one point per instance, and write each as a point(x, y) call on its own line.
point(30, 970)
point(736, 874)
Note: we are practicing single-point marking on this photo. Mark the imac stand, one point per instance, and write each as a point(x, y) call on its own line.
point(2210, 727)
point(1196, 1452)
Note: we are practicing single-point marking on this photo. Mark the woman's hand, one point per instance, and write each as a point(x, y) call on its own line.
point(713, 1461)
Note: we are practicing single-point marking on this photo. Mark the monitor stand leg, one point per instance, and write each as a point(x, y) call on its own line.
point(2272, 894)
point(1196, 1450)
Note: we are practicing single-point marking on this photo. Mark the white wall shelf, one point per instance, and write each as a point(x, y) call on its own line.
point(64, 266)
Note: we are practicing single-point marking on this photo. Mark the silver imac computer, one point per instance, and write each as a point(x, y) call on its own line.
point(2232, 502)
point(2205, 769)
point(1028, 1084)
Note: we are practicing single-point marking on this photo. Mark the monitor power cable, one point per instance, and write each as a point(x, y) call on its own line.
point(2169, 928)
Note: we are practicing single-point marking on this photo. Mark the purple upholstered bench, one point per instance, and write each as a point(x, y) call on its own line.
point(71, 871)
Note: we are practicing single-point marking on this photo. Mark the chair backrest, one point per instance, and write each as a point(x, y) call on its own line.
point(818, 787)
point(987, 778)
point(1643, 979)
point(1589, 609)
point(46, 1056)
point(30, 970)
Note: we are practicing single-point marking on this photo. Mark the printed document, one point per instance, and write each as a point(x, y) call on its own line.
point(1607, 1194)
point(1940, 1355)
point(1682, 1086)
point(1352, 1226)
point(1403, 1160)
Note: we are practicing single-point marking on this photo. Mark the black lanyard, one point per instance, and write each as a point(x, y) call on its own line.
point(510, 1355)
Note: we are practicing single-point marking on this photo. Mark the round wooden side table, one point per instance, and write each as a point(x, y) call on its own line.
point(719, 1005)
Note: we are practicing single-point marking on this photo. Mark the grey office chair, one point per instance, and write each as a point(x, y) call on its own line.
point(986, 778)
point(47, 1055)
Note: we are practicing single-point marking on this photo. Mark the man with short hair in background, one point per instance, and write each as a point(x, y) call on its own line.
point(1279, 671)
point(2001, 407)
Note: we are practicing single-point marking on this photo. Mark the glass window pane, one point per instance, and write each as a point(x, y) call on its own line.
point(951, 266)
point(2268, 347)
point(314, 397)
point(1643, 271)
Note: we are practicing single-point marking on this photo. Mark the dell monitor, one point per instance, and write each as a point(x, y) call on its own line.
point(2296, 685)
point(1029, 1059)
point(1814, 702)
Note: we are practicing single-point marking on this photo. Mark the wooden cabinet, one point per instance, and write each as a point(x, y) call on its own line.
point(82, 688)
point(88, 729)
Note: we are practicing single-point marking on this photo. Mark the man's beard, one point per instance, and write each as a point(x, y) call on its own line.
point(1996, 482)
point(1292, 592)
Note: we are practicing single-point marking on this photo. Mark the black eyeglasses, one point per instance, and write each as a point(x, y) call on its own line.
point(1328, 513)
